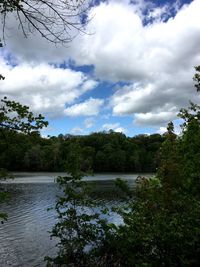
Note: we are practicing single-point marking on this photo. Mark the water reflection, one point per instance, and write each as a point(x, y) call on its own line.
point(24, 239)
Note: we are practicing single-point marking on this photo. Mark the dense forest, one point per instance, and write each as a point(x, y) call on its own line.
point(102, 152)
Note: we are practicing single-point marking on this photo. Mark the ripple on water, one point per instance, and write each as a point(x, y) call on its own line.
point(24, 238)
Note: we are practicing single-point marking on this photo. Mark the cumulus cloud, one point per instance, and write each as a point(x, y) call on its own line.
point(90, 107)
point(162, 130)
point(154, 51)
point(89, 122)
point(115, 127)
point(77, 131)
point(43, 87)
point(155, 103)
point(157, 58)
point(123, 48)
point(154, 119)
point(120, 130)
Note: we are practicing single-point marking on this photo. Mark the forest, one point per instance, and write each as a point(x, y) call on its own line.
point(101, 152)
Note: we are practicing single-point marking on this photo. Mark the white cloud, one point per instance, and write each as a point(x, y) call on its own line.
point(177, 130)
point(43, 87)
point(154, 119)
point(89, 122)
point(162, 130)
point(130, 99)
point(156, 58)
point(120, 130)
point(77, 131)
point(110, 126)
point(123, 48)
point(115, 127)
point(156, 102)
point(90, 107)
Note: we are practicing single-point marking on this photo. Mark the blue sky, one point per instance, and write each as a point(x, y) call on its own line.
point(132, 73)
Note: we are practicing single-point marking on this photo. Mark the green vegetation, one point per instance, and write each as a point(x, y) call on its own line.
point(15, 119)
point(79, 227)
point(161, 215)
point(101, 151)
point(161, 221)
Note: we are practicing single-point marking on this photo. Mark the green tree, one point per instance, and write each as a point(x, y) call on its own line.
point(190, 147)
point(171, 166)
point(14, 116)
point(79, 226)
point(17, 118)
point(155, 233)
point(160, 223)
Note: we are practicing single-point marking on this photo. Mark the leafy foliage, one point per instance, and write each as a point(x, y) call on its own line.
point(102, 152)
point(170, 170)
point(161, 224)
point(190, 147)
point(79, 227)
point(14, 116)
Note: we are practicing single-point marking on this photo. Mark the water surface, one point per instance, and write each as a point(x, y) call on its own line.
point(24, 238)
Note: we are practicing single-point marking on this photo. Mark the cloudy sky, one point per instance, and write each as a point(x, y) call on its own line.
point(131, 73)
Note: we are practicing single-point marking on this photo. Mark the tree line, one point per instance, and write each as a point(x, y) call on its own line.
point(160, 214)
point(101, 152)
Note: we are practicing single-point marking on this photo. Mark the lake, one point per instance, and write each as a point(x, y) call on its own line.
point(24, 238)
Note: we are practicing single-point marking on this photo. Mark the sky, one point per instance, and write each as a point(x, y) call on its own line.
point(131, 72)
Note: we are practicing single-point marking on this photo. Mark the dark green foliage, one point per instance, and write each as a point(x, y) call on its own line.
point(159, 230)
point(161, 216)
point(170, 169)
point(162, 222)
point(79, 226)
point(103, 152)
point(16, 121)
point(190, 147)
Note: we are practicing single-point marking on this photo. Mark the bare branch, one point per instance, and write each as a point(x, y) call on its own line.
point(58, 21)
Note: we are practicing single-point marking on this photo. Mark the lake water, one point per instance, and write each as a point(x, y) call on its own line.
point(24, 238)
